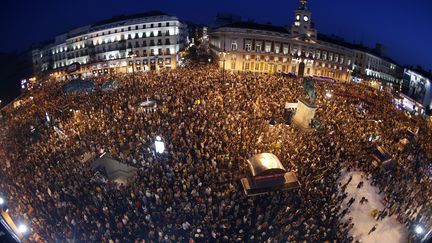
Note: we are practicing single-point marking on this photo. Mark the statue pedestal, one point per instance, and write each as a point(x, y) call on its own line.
point(304, 115)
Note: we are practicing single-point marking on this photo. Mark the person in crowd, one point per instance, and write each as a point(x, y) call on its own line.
point(372, 229)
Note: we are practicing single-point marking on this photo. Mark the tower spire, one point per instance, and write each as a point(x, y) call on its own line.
point(304, 4)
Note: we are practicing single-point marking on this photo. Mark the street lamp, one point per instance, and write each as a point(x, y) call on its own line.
point(2, 201)
point(133, 55)
point(22, 228)
point(224, 53)
point(419, 230)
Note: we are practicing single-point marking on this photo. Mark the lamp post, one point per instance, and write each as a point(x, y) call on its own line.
point(224, 53)
point(133, 55)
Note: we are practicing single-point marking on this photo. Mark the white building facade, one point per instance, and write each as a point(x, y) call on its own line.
point(141, 42)
point(416, 91)
point(270, 49)
point(375, 67)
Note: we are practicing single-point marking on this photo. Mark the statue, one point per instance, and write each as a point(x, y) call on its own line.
point(309, 87)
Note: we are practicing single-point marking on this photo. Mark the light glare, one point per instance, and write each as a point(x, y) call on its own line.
point(22, 228)
point(419, 229)
point(159, 145)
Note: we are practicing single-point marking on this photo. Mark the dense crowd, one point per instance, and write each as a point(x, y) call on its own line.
point(211, 127)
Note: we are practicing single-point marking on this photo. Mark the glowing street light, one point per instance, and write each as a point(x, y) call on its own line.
point(159, 145)
point(47, 117)
point(2, 201)
point(419, 230)
point(23, 228)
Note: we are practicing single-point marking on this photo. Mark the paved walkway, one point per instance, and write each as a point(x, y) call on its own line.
point(388, 230)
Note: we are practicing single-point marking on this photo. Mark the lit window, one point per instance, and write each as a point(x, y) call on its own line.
point(233, 64)
point(267, 47)
point(234, 46)
point(258, 47)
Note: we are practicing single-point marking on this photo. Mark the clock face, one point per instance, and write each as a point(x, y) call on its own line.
point(298, 17)
point(306, 18)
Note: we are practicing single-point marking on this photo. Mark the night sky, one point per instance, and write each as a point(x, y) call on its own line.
point(403, 26)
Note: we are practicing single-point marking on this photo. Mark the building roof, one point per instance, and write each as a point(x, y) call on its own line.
point(127, 17)
point(255, 26)
point(265, 164)
point(112, 169)
point(341, 42)
point(420, 71)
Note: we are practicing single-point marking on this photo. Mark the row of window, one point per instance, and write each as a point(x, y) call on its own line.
point(333, 58)
point(263, 67)
point(284, 60)
point(151, 61)
point(130, 36)
point(112, 39)
point(268, 47)
point(153, 52)
point(114, 57)
point(144, 26)
point(137, 44)
point(138, 53)
point(113, 48)
point(152, 42)
point(336, 58)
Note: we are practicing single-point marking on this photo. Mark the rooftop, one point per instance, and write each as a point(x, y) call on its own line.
point(255, 26)
point(127, 17)
point(341, 42)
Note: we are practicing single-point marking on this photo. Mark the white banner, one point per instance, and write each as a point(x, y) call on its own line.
point(291, 106)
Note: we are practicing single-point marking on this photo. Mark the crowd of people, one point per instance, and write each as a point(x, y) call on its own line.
point(211, 125)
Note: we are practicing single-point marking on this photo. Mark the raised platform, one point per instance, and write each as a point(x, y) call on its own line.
point(253, 188)
point(304, 115)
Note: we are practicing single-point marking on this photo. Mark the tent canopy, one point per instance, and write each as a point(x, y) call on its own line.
point(148, 103)
point(79, 85)
point(381, 153)
point(112, 169)
point(383, 158)
point(265, 164)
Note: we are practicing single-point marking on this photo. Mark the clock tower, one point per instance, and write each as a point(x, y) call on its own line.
point(303, 25)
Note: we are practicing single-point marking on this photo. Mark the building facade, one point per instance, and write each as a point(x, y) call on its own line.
point(245, 46)
point(147, 41)
point(372, 65)
point(416, 91)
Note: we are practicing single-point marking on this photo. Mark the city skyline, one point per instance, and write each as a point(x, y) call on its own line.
point(400, 26)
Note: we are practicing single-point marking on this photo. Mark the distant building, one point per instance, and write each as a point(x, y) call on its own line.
point(247, 46)
point(197, 32)
point(154, 38)
point(371, 64)
point(417, 91)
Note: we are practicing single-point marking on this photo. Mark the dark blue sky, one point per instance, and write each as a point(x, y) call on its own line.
point(403, 26)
